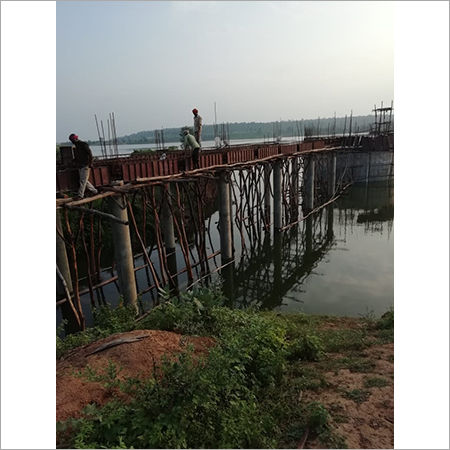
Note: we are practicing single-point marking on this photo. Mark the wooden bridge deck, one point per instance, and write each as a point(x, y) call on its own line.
point(175, 164)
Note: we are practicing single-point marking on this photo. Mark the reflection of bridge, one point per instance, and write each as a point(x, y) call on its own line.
point(274, 269)
point(262, 190)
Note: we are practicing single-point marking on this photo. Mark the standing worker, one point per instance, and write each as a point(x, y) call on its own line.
point(197, 126)
point(191, 142)
point(83, 160)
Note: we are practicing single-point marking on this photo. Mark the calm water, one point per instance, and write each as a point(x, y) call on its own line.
point(338, 262)
point(355, 275)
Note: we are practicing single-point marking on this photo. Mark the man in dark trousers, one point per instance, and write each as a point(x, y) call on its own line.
point(83, 161)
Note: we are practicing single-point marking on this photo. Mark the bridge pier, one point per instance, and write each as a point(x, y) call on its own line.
point(226, 240)
point(123, 251)
point(62, 262)
point(169, 234)
point(277, 200)
point(308, 177)
point(267, 170)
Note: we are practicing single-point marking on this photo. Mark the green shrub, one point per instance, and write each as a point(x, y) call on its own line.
point(318, 417)
point(193, 405)
point(115, 320)
point(190, 313)
point(386, 321)
point(107, 321)
point(308, 347)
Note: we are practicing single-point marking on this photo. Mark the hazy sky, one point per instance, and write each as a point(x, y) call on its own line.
point(151, 62)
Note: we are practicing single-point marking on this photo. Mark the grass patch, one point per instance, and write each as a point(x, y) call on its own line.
point(306, 378)
point(375, 382)
point(344, 340)
point(357, 395)
point(354, 364)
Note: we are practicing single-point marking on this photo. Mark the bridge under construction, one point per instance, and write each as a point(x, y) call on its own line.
point(155, 213)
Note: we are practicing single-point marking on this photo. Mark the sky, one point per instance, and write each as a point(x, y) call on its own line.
point(151, 63)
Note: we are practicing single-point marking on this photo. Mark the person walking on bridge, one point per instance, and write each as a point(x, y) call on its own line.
point(197, 126)
point(83, 161)
point(191, 142)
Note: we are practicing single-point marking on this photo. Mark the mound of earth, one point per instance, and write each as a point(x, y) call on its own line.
point(135, 353)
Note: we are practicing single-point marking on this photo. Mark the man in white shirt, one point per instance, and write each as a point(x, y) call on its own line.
point(197, 126)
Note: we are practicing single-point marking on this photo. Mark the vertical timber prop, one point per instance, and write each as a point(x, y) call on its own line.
point(332, 174)
point(309, 176)
point(226, 243)
point(226, 240)
point(267, 170)
point(64, 287)
point(277, 199)
point(295, 194)
point(123, 251)
point(169, 235)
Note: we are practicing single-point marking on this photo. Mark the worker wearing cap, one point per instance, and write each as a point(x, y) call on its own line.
point(83, 161)
point(197, 126)
point(191, 142)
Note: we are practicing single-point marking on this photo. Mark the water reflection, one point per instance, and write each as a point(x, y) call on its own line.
point(338, 261)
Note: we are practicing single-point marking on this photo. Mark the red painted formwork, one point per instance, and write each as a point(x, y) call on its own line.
point(67, 180)
point(267, 150)
point(305, 146)
point(288, 149)
point(100, 176)
point(210, 158)
point(241, 154)
point(318, 144)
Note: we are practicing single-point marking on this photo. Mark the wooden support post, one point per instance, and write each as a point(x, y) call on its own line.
point(277, 203)
point(62, 262)
point(369, 161)
point(294, 193)
point(169, 233)
point(226, 243)
point(227, 274)
point(123, 251)
point(330, 221)
point(267, 171)
point(276, 299)
point(309, 176)
point(308, 236)
point(332, 174)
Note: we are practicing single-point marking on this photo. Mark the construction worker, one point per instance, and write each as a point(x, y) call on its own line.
point(197, 126)
point(191, 142)
point(83, 161)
